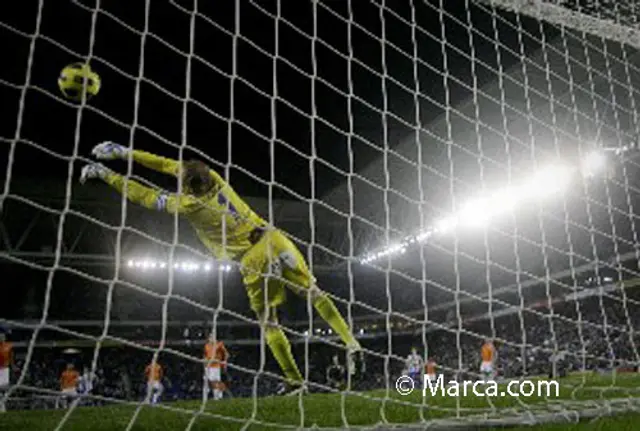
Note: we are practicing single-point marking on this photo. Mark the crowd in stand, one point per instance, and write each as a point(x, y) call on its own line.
point(595, 337)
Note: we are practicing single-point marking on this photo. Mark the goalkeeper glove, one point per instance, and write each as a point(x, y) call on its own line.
point(110, 151)
point(94, 170)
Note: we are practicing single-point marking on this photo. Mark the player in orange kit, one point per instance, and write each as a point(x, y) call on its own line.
point(488, 354)
point(6, 360)
point(430, 370)
point(153, 372)
point(216, 355)
point(68, 385)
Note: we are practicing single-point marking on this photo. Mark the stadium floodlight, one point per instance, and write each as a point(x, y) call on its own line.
point(446, 224)
point(185, 266)
point(595, 162)
point(475, 213)
point(504, 200)
point(478, 212)
point(549, 181)
point(423, 236)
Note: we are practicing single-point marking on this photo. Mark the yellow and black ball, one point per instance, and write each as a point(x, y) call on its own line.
point(77, 78)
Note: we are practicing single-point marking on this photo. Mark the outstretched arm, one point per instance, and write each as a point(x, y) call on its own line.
point(138, 193)
point(110, 151)
point(157, 163)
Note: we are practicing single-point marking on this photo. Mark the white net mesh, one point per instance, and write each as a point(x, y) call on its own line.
point(624, 13)
point(612, 20)
point(451, 171)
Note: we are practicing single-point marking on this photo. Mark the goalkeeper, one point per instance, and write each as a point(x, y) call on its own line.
point(268, 259)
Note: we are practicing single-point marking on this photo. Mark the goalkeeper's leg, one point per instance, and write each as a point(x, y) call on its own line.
point(326, 308)
point(280, 346)
point(300, 280)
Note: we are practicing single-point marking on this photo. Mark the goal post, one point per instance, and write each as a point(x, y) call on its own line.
point(455, 173)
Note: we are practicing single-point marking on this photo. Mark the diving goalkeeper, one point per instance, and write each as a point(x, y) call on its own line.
point(268, 259)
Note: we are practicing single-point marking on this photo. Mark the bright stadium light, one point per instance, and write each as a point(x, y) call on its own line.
point(595, 162)
point(446, 224)
point(476, 213)
point(423, 236)
point(545, 183)
point(505, 199)
point(184, 266)
point(549, 181)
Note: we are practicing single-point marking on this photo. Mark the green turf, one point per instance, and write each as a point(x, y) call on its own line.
point(324, 410)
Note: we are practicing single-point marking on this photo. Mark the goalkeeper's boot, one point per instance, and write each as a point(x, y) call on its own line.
point(354, 350)
point(292, 389)
point(353, 347)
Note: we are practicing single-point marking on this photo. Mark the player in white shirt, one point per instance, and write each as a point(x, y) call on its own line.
point(85, 383)
point(414, 364)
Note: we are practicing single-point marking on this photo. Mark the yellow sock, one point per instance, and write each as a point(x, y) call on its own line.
point(328, 311)
point(281, 349)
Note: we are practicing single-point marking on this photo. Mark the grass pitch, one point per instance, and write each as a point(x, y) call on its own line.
point(584, 393)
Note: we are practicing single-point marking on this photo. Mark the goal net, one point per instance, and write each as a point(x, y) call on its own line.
point(456, 174)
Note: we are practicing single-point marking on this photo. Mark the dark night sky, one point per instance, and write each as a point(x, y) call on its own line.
point(294, 133)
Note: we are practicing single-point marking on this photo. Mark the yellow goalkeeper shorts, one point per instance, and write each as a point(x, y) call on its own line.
point(273, 262)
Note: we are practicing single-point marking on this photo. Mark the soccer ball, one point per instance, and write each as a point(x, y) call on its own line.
point(77, 78)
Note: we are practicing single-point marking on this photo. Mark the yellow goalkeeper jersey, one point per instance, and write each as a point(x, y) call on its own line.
point(208, 214)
